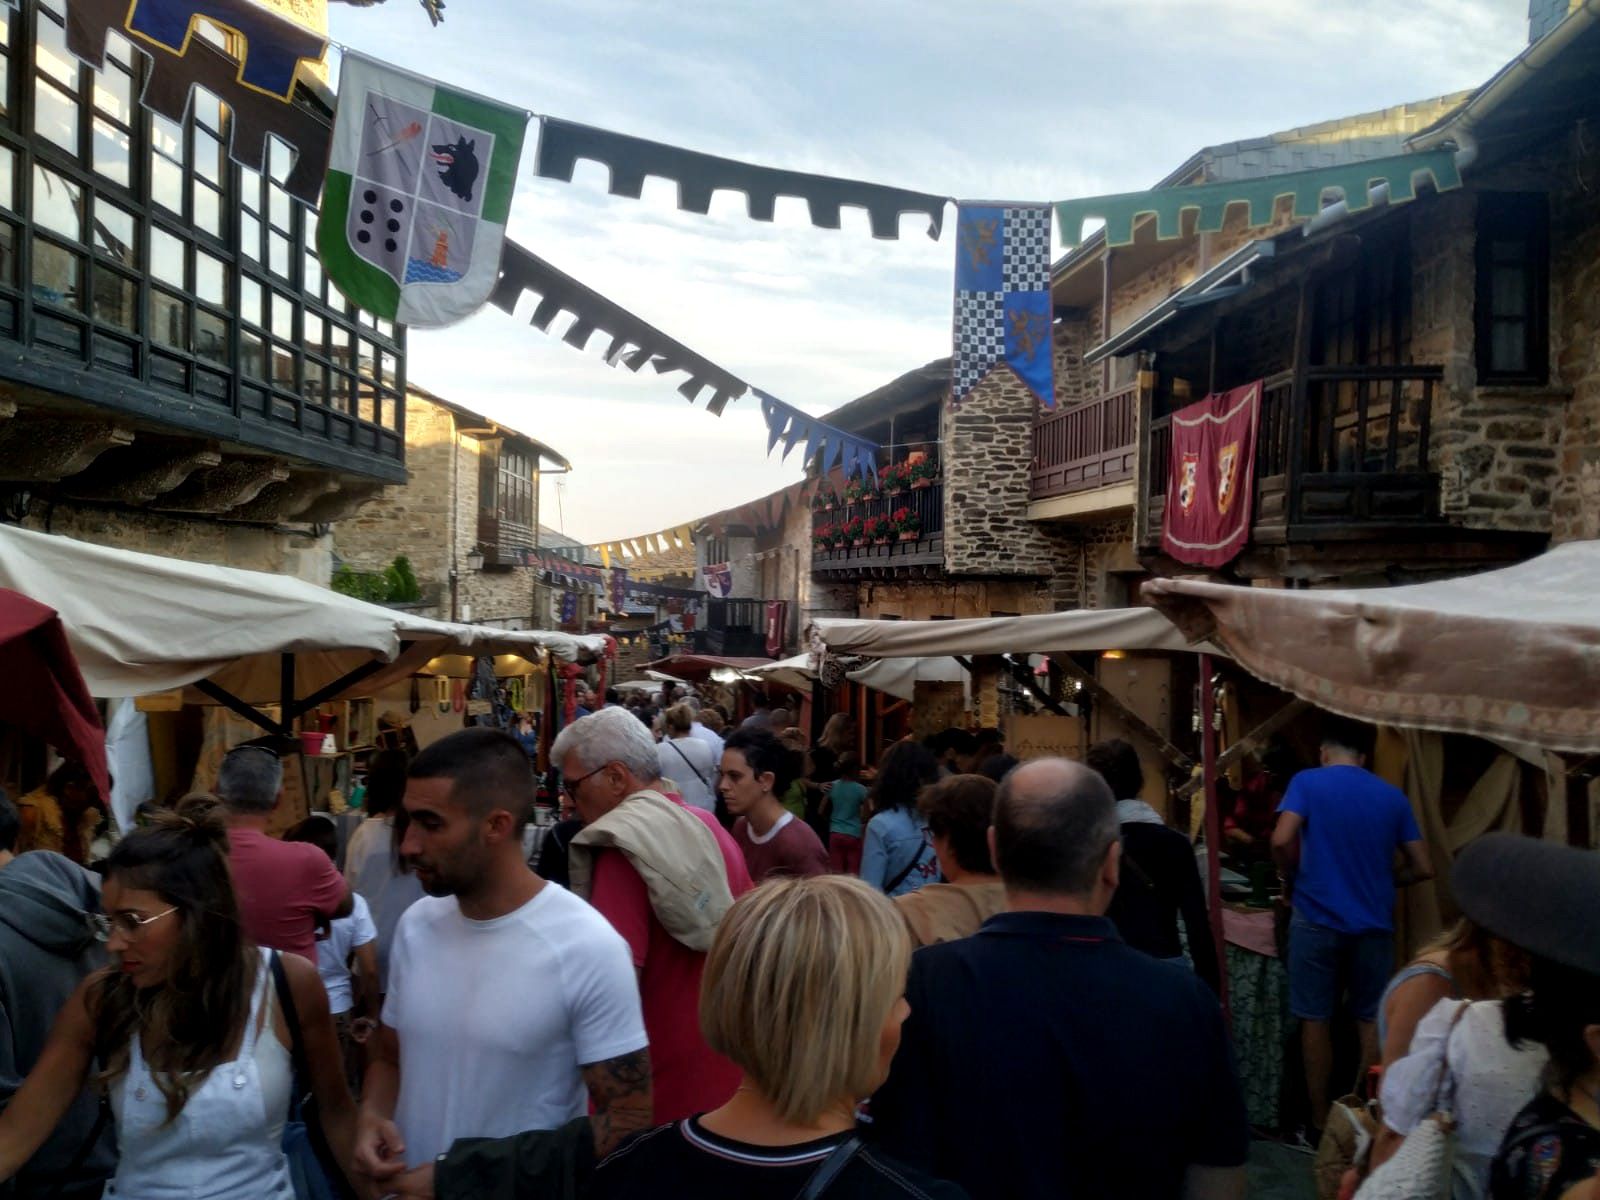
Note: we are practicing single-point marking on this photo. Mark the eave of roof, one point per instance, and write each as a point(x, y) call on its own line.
point(483, 425)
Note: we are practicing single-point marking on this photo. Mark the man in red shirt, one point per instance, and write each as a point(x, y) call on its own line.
point(606, 760)
point(285, 888)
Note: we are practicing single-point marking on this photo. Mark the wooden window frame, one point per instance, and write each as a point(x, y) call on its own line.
point(1526, 214)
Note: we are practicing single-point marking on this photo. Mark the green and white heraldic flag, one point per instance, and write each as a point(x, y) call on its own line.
point(419, 185)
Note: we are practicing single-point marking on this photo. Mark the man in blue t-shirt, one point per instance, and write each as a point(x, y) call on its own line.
point(1335, 844)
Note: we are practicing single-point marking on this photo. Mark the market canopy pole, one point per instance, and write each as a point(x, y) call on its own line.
point(1208, 769)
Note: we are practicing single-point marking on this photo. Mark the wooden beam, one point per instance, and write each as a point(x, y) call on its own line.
point(1251, 740)
point(1131, 719)
point(1025, 678)
point(1208, 756)
point(218, 489)
point(45, 451)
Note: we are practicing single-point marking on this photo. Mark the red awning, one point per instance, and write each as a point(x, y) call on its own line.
point(45, 695)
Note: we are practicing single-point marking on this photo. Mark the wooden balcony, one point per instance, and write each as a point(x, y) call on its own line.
point(735, 629)
point(1342, 453)
point(925, 554)
point(1093, 445)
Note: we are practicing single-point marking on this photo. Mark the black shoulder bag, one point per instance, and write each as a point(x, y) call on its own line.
point(673, 742)
point(302, 1105)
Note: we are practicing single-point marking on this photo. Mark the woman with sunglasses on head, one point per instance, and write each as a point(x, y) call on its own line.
point(192, 1048)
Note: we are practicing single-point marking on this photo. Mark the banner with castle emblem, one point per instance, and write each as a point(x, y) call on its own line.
point(1212, 481)
point(419, 186)
point(1002, 311)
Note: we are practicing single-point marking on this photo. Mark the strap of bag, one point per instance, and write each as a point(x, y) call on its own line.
point(280, 985)
point(1444, 1056)
point(673, 742)
point(911, 866)
point(828, 1169)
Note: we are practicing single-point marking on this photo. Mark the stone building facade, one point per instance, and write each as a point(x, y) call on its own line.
point(435, 518)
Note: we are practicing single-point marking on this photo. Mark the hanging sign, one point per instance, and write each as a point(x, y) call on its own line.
point(419, 187)
point(1002, 309)
point(1211, 485)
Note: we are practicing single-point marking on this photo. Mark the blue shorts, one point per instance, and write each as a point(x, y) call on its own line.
point(1324, 963)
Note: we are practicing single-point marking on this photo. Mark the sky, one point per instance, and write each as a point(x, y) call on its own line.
point(988, 99)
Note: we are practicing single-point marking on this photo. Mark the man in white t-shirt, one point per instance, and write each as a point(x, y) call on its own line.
point(512, 1005)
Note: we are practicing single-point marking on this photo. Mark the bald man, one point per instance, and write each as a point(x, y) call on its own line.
point(1046, 1058)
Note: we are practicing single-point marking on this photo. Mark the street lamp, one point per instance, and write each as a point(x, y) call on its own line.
point(475, 559)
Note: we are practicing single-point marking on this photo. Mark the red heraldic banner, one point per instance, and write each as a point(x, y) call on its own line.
point(1212, 478)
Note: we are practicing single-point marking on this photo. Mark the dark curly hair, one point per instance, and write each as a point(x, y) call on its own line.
point(765, 752)
point(906, 769)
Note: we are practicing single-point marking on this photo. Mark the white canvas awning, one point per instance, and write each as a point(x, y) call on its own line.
point(1512, 654)
point(1044, 633)
point(897, 677)
point(140, 623)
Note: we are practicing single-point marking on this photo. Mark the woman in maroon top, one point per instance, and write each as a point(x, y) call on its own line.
point(756, 770)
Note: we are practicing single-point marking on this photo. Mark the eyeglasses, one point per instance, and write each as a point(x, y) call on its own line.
point(571, 786)
point(130, 924)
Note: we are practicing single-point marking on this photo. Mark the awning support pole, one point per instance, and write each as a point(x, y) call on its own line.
point(1126, 715)
point(1251, 740)
point(286, 693)
point(348, 679)
point(1208, 766)
point(231, 702)
point(1020, 673)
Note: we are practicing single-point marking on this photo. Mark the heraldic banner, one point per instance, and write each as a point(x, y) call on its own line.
point(1002, 310)
point(419, 187)
point(1213, 473)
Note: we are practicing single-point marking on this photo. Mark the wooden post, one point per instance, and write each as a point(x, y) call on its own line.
point(1208, 766)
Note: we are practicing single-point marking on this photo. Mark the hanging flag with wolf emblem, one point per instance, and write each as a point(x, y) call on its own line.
point(419, 187)
point(1002, 311)
point(1211, 488)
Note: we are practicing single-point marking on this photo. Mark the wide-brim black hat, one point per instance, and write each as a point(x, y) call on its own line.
point(1537, 895)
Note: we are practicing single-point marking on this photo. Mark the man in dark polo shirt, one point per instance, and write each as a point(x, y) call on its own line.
point(1044, 1058)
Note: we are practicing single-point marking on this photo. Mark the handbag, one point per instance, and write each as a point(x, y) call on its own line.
point(828, 1169)
point(313, 1169)
point(1421, 1168)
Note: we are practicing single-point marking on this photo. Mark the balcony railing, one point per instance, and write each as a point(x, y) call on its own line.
point(1090, 446)
point(925, 550)
point(735, 628)
point(1351, 458)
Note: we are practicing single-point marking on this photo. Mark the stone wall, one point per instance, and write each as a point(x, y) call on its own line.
point(195, 539)
point(1575, 350)
point(414, 518)
point(988, 455)
point(433, 520)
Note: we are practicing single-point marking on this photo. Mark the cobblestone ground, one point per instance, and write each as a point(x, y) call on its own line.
point(1280, 1172)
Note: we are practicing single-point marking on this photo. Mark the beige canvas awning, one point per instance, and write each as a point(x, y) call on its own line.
point(896, 677)
point(1512, 654)
point(1044, 633)
point(140, 624)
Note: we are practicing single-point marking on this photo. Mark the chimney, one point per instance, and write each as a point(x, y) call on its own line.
point(1545, 15)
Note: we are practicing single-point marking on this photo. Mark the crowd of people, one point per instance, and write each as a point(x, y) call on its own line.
point(748, 963)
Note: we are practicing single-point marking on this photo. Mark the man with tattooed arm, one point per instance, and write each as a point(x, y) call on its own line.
point(512, 1004)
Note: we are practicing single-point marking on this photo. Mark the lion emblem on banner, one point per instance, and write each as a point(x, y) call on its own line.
point(1227, 475)
point(1188, 481)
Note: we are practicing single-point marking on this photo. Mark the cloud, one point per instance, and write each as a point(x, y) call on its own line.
point(1014, 99)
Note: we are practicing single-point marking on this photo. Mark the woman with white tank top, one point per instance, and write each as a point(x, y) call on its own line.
point(193, 1049)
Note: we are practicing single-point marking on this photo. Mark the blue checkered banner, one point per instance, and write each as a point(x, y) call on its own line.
point(1002, 308)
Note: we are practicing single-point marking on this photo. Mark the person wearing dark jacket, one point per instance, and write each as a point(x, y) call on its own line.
point(1160, 878)
point(47, 947)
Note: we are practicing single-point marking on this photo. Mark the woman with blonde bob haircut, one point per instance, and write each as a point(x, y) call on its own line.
point(804, 989)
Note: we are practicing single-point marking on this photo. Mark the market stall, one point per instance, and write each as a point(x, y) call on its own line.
point(271, 650)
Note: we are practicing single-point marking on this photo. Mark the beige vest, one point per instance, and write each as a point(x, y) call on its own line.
point(675, 854)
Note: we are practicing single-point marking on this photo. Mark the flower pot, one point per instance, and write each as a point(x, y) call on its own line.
point(858, 542)
point(908, 537)
point(311, 742)
point(918, 484)
point(880, 541)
